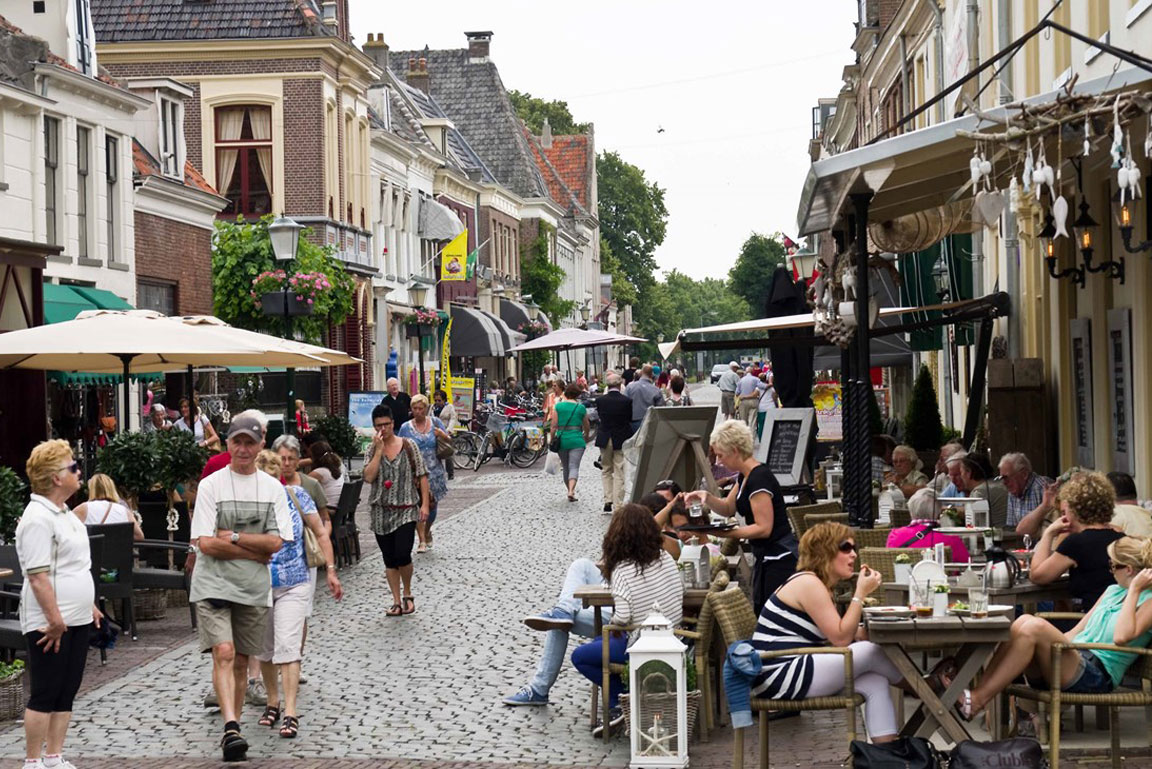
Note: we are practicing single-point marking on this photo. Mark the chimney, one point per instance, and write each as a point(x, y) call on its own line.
point(478, 44)
point(546, 135)
point(418, 74)
point(328, 13)
point(377, 49)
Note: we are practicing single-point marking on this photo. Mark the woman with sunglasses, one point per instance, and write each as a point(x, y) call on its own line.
point(757, 498)
point(57, 601)
point(1121, 616)
point(802, 613)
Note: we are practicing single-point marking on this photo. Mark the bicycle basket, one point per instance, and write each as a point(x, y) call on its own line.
point(496, 422)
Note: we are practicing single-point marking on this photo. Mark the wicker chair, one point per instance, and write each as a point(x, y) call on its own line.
point(737, 620)
point(1054, 699)
point(811, 519)
point(797, 514)
point(702, 647)
point(871, 537)
point(898, 518)
point(883, 559)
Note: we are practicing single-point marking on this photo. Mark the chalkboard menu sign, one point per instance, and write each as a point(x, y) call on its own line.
point(1120, 368)
point(1081, 338)
point(784, 444)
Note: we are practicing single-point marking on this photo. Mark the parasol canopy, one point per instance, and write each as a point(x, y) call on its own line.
point(574, 338)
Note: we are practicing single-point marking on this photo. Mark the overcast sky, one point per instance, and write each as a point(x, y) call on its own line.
point(731, 83)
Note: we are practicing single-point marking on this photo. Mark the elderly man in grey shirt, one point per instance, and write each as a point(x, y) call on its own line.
point(644, 394)
point(727, 385)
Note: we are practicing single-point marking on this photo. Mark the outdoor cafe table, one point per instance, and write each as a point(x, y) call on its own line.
point(976, 639)
point(599, 596)
point(1024, 593)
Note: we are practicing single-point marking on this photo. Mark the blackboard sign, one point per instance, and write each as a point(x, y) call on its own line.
point(1120, 367)
point(784, 444)
point(1082, 403)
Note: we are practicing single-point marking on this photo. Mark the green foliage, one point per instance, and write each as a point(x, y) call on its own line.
point(622, 289)
point(633, 218)
point(680, 302)
point(543, 279)
point(533, 111)
point(751, 276)
point(179, 458)
point(11, 669)
point(131, 460)
point(340, 434)
point(242, 250)
point(13, 499)
point(923, 429)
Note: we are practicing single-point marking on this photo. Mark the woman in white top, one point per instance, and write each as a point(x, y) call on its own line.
point(193, 421)
point(57, 602)
point(328, 469)
point(104, 506)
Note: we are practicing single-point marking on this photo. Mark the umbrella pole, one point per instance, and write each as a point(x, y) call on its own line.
point(126, 359)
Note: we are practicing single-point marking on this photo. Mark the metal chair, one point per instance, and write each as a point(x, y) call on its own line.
point(118, 557)
point(149, 578)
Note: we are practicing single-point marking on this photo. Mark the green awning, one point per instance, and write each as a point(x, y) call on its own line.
point(918, 287)
point(80, 379)
point(62, 303)
point(104, 300)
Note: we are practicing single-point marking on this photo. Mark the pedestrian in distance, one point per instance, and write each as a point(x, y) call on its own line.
point(104, 506)
point(727, 384)
point(644, 394)
point(192, 420)
point(748, 397)
point(446, 412)
point(57, 601)
point(615, 427)
point(293, 583)
point(302, 426)
point(677, 393)
point(423, 430)
point(399, 402)
point(241, 520)
point(399, 497)
point(157, 419)
point(768, 401)
point(570, 425)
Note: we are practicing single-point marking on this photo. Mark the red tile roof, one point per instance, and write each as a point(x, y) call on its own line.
point(557, 188)
point(569, 156)
point(146, 165)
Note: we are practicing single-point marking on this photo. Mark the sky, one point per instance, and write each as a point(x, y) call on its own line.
point(732, 85)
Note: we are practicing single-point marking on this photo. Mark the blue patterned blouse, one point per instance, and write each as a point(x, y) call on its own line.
point(289, 565)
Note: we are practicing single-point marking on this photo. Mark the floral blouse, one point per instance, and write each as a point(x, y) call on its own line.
point(394, 499)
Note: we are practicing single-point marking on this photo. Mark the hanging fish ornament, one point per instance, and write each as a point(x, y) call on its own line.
point(1087, 137)
point(1117, 149)
point(1122, 183)
point(1060, 216)
point(1026, 175)
point(974, 168)
point(1014, 194)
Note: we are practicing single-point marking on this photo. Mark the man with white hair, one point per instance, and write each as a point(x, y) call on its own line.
point(727, 384)
point(941, 482)
point(1029, 503)
point(399, 401)
point(748, 397)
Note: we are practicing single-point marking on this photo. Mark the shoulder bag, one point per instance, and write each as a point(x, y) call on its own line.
point(312, 552)
point(554, 444)
point(902, 753)
point(444, 447)
point(1018, 753)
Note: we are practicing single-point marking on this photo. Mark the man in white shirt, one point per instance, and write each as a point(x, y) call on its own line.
point(727, 385)
point(241, 520)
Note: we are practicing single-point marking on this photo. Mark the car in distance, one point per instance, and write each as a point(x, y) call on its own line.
point(719, 370)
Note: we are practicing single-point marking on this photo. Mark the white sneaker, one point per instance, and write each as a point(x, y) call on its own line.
point(63, 764)
point(256, 694)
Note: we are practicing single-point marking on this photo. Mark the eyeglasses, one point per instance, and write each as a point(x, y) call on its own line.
point(381, 425)
point(72, 468)
point(847, 546)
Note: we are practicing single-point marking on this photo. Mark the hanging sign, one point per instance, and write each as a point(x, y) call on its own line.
point(445, 369)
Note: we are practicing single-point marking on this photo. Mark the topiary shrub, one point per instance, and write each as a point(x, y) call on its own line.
point(179, 458)
point(130, 459)
point(341, 435)
point(923, 429)
point(13, 500)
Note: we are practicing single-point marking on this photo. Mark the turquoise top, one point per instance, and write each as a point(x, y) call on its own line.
point(1101, 629)
point(570, 424)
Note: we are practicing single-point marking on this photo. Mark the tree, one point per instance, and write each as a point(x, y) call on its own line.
point(542, 279)
point(622, 289)
point(633, 218)
point(533, 111)
point(751, 276)
point(923, 429)
point(241, 250)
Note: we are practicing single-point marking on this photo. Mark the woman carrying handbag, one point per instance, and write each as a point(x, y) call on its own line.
point(570, 430)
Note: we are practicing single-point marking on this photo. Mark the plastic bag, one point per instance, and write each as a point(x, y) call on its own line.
point(552, 464)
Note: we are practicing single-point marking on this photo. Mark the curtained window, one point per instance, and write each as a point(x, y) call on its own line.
point(244, 159)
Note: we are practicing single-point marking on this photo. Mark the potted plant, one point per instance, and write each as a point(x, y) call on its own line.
point(272, 288)
point(417, 322)
point(13, 499)
point(11, 689)
point(341, 436)
point(130, 460)
point(693, 697)
point(952, 516)
point(903, 568)
point(923, 428)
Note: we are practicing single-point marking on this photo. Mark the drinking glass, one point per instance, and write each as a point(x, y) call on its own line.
point(921, 595)
point(978, 602)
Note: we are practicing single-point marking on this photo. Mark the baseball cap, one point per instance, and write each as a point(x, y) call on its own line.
point(249, 426)
point(734, 364)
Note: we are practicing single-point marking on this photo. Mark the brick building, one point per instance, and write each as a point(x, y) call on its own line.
point(277, 119)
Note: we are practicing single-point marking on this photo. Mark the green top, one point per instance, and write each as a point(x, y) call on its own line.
point(1101, 629)
point(570, 424)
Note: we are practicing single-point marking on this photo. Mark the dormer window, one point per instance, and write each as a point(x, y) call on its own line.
point(171, 119)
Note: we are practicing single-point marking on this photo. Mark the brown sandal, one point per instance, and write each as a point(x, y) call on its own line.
point(290, 728)
point(270, 717)
point(409, 604)
point(395, 611)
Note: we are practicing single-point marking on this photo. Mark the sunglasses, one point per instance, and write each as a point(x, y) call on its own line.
point(72, 468)
point(665, 485)
point(847, 546)
point(1112, 566)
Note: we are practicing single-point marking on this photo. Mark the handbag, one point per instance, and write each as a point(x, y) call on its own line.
point(902, 753)
point(444, 447)
point(1018, 753)
point(312, 552)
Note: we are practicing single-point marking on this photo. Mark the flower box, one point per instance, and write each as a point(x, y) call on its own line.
point(272, 304)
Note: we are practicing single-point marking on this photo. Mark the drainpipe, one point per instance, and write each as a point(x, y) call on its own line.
point(1011, 236)
point(939, 64)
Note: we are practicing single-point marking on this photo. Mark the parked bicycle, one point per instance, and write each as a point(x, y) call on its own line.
point(500, 434)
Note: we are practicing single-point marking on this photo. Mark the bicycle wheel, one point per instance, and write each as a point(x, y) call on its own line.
point(520, 452)
point(485, 451)
point(467, 448)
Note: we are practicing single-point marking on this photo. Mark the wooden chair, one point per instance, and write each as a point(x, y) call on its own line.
point(737, 620)
point(797, 513)
point(1123, 696)
point(871, 537)
point(883, 559)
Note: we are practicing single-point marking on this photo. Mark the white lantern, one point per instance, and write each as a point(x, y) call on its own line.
point(657, 681)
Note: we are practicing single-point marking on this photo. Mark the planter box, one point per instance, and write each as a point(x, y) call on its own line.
point(272, 303)
point(414, 330)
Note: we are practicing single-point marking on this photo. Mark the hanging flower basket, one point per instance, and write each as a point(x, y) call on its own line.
point(272, 288)
point(418, 322)
point(273, 304)
point(533, 329)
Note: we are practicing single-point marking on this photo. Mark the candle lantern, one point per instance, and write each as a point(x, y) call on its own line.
point(657, 673)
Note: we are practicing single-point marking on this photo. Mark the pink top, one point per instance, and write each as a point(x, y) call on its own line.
point(905, 536)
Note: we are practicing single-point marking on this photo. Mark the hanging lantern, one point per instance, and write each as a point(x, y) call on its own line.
point(657, 679)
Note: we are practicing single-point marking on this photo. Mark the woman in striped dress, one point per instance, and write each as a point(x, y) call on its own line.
point(801, 613)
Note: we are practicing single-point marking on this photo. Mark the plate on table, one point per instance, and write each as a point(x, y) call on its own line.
point(893, 612)
point(924, 571)
point(994, 610)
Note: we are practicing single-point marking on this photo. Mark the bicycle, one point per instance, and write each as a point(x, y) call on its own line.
point(505, 436)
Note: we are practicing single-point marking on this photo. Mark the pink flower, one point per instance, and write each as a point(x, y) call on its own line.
point(309, 301)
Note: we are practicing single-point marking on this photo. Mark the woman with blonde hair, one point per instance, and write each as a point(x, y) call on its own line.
point(423, 430)
point(757, 498)
point(302, 426)
point(802, 613)
point(104, 506)
point(1121, 616)
point(57, 601)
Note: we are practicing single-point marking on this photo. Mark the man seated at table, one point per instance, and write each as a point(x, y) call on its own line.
point(976, 481)
point(941, 482)
point(1128, 515)
point(1030, 503)
point(568, 614)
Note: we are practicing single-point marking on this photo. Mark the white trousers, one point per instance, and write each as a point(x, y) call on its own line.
point(874, 673)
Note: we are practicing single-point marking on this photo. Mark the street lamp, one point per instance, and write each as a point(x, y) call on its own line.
point(585, 312)
point(285, 235)
point(1047, 236)
point(418, 293)
point(1084, 226)
point(940, 278)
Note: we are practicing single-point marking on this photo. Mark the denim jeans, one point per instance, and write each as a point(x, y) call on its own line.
point(582, 572)
point(589, 660)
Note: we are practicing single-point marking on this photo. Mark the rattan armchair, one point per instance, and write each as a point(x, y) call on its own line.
point(701, 639)
point(871, 537)
point(797, 513)
point(898, 517)
point(1054, 699)
point(883, 559)
point(812, 519)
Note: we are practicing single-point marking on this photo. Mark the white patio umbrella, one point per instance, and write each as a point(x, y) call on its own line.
point(574, 338)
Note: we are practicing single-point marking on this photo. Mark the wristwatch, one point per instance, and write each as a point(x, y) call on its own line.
point(235, 538)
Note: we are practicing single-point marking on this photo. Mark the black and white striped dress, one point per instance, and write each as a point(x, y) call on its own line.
point(782, 627)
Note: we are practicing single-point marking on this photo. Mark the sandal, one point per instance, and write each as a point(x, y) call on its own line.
point(964, 706)
point(421, 548)
point(270, 717)
point(409, 604)
point(395, 611)
point(942, 674)
point(290, 728)
point(235, 747)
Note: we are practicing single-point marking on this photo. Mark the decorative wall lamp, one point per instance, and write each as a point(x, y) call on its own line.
point(1126, 232)
point(940, 277)
point(1084, 227)
point(1047, 238)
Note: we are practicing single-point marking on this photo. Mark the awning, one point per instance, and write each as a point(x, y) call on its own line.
point(921, 169)
point(63, 303)
point(514, 313)
point(510, 338)
point(474, 334)
point(438, 221)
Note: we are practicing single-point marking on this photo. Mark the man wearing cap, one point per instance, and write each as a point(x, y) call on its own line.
point(241, 519)
point(727, 384)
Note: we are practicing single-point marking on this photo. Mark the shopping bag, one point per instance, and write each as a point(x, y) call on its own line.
point(552, 464)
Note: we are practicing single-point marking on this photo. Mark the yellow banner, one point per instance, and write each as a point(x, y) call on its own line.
point(454, 259)
point(445, 373)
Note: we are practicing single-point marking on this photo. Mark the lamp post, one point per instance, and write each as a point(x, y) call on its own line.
point(940, 278)
point(418, 292)
point(285, 236)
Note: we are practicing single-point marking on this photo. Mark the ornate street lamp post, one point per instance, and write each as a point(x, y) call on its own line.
point(418, 292)
point(285, 236)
